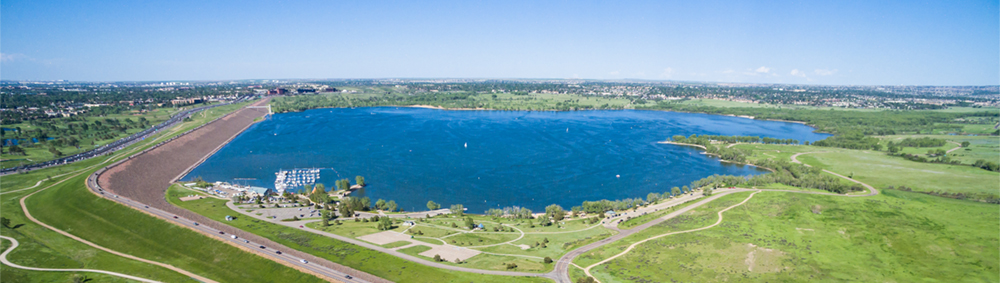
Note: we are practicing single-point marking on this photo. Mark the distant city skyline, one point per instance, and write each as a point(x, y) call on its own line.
point(947, 43)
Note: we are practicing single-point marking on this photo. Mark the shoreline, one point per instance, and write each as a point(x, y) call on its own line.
point(715, 155)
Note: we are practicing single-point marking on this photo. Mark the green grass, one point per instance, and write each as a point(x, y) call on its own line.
point(893, 237)
point(558, 244)
point(373, 262)
point(880, 170)
point(981, 147)
point(396, 244)
point(352, 229)
point(480, 239)
point(68, 206)
point(643, 219)
point(696, 218)
point(415, 250)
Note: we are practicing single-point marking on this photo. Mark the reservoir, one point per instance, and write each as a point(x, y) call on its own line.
point(487, 159)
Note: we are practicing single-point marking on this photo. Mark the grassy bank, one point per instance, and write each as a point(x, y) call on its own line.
point(373, 262)
point(780, 237)
point(70, 207)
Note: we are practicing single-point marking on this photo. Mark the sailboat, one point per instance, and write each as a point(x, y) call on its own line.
point(466, 144)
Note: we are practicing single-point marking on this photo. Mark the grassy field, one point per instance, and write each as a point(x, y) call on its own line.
point(880, 170)
point(981, 147)
point(70, 207)
point(777, 237)
point(696, 218)
point(38, 152)
point(373, 262)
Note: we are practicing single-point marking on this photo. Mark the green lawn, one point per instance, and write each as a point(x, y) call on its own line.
point(776, 237)
point(373, 262)
point(880, 170)
point(696, 218)
point(981, 147)
point(70, 207)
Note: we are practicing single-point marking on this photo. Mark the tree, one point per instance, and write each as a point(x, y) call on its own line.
point(555, 211)
point(652, 197)
point(685, 189)
point(547, 260)
point(431, 205)
point(360, 181)
point(966, 144)
point(326, 218)
point(384, 223)
point(380, 204)
point(469, 223)
point(392, 206)
point(345, 209)
point(588, 279)
point(366, 203)
point(5, 222)
point(707, 192)
point(437, 258)
point(457, 209)
point(675, 191)
point(320, 188)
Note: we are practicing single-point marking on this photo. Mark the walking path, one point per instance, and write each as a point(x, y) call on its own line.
point(630, 247)
point(14, 243)
point(27, 214)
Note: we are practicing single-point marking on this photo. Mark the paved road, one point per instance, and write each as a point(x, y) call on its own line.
point(143, 188)
point(115, 145)
point(14, 244)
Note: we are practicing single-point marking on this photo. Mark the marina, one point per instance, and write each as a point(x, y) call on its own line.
point(295, 178)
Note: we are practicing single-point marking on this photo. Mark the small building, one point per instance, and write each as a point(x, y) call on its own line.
point(258, 191)
point(409, 223)
point(610, 213)
point(480, 226)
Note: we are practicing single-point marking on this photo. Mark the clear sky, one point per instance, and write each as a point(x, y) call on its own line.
point(802, 42)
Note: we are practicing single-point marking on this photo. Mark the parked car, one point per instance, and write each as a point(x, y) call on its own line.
point(303, 261)
point(246, 241)
point(348, 277)
point(233, 236)
point(277, 252)
point(220, 232)
point(175, 216)
point(196, 224)
point(262, 247)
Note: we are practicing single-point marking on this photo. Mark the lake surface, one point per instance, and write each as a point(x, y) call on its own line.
point(487, 159)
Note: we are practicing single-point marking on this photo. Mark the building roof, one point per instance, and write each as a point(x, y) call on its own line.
point(259, 190)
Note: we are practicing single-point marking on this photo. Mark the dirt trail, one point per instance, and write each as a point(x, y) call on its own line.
point(630, 247)
point(14, 244)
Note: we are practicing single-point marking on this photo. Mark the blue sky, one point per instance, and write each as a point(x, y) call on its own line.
point(798, 42)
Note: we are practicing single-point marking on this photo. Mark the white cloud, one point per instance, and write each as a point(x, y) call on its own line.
point(728, 71)
point(763, 70)
point(822, 72)
point(6, 57)
point(797, 73)
point(667, 73)
point(614, 73)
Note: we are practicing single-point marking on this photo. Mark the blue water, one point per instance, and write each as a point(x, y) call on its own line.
point(528, 159)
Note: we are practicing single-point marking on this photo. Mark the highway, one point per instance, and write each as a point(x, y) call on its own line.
point(266, 251)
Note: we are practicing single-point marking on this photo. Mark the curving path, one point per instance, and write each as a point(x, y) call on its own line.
point(28, 215)
point(630, 247)
point(562, 268)
point(871, 190)
point(14, 243)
